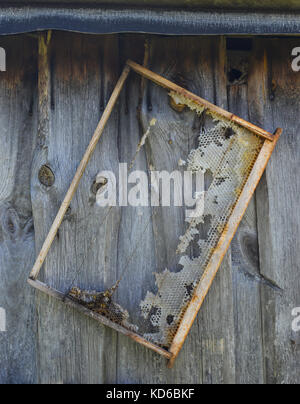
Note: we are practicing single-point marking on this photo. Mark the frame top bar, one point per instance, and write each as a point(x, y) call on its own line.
point(163, 82)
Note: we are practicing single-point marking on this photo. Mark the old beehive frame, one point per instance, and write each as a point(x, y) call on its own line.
point(202, 288)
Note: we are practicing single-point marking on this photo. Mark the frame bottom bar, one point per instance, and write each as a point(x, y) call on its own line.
point(101, 319)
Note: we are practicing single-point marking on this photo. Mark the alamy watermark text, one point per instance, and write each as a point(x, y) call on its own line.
point(2, 60)
point(161, 188)
point(296, 60)
point(296, 321)
point(2, 320)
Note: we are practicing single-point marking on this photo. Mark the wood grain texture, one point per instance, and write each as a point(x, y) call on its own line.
point(160, 241)
point(243, 332)
point(83, 74)
point(246, 277)
point(274, 97)
point(134, 232)
point(169, 85)
point(201, 71)
point(17, 139)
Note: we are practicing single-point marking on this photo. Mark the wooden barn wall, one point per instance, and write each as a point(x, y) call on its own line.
point(243, 333)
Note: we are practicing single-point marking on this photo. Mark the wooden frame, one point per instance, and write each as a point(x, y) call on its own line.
point(224, 242)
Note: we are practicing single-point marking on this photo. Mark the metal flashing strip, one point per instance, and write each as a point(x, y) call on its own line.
point(102, 20)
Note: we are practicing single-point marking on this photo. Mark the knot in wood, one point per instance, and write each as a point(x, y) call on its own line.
point(46, 176)
point(98, 184)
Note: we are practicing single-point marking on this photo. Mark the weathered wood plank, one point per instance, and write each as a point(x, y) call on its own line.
point(230, 341)
point(17, 140)
point(78, 175)
point(216, 318)
point(274, 101)
point(246, 276)
point(209, 345)
point(169, 85)
point(83, 73)
point(134, 233)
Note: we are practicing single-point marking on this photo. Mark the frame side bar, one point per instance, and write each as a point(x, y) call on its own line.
point(161, 81)
point(98, 317)
point(79, 173)
point(223, 245)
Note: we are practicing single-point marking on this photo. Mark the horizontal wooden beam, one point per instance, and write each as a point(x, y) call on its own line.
point(161, 81)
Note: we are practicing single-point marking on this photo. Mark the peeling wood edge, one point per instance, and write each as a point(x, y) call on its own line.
point(223, 245)
point(163, 82)
point(44, 85)
point(42, 287)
